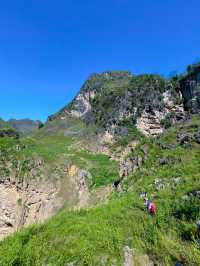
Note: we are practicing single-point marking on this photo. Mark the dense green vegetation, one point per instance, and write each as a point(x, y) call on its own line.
point(49, 142)
point(103, 170)
point(97, 236)
point(6, 143)
point(48, 147)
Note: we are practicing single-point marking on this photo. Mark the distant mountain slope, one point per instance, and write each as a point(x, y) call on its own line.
point(25, 126)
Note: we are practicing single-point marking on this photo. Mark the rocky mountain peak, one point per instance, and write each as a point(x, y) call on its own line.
point(150, 103)
point(95, 84)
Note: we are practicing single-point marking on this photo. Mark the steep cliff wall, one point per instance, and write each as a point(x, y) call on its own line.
point(32, 190)
point(190, 89)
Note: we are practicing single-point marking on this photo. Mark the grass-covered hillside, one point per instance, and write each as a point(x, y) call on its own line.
point(97, 236)
point(60, 142)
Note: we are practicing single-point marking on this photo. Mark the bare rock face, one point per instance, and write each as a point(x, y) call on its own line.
point(25, 195)
point(130, 165)
point(33, 196)
point(79, 179)
point(10, 210)
point(150, 122)
point(81, 106)
point(24, 204)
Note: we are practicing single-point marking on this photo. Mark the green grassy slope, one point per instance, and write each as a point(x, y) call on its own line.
point(57, 142)
point(97, 236)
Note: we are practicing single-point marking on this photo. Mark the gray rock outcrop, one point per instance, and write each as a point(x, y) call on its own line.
point(190, 88)
point(131, 258)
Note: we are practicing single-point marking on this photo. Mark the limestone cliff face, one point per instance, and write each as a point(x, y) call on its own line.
point(144, 106)
point(81, 107)
point(35, 194)
point(150, 123)
point(190, 88)
point(24, 204)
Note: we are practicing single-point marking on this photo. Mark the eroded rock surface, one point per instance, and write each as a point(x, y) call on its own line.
point(26, 203)
point(31, 196)
point(150, 123)
point(190, 88)
point(79, 179)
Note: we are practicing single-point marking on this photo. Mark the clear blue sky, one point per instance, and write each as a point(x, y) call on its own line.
point(49, 47)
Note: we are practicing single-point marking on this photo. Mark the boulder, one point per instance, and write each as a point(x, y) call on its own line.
point(194, 193)
point(197, 137)
point(184, 138)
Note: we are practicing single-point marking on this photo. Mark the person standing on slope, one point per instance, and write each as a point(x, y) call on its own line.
point(151, 207)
